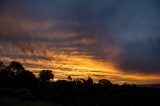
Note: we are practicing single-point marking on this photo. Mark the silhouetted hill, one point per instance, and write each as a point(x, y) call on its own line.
point(150, 85)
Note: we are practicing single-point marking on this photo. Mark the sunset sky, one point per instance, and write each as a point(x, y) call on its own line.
point(114, 39)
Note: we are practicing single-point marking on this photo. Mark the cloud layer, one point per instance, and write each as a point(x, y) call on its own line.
point(119, 36)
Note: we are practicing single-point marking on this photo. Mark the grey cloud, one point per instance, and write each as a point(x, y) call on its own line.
point(131, 24)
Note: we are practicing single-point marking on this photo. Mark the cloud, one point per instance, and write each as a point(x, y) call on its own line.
point(137, 30)
point(123, 34)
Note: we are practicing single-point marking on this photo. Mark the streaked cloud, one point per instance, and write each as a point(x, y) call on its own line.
point(104, 39)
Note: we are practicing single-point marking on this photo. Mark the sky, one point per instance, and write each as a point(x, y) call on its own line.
point(117, 40)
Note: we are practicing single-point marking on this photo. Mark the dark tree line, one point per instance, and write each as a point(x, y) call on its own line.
point(15, 81)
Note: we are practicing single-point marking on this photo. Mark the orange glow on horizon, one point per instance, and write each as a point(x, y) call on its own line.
point(83, 66)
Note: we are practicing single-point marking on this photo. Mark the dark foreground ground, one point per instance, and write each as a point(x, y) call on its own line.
point(13, 101)
point(123, 97)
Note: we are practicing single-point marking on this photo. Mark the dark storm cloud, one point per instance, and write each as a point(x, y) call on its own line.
point(131, 24)
point(138, 32)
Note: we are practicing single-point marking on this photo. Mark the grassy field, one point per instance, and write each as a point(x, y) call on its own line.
point(8, 101)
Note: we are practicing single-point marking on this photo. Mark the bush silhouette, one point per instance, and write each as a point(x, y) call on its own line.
point(46, 75)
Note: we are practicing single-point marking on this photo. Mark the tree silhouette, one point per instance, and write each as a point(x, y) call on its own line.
point(15, 68)
point(27, 78)
point(4, 78)
point(46, 75)
point(69, 78)
point(2, 66)
point(89, 81)
point(105, 82)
